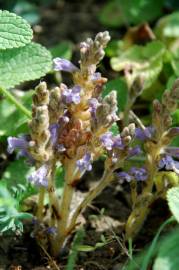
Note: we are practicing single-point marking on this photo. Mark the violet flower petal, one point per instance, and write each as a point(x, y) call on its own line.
point(64, 65)
point(16, 143)
point(39, 177)
point(107, 140)
point(84, 164)
point(145, 134)
point(123, 177)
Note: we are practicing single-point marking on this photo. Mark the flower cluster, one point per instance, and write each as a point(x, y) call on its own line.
point(71, 126)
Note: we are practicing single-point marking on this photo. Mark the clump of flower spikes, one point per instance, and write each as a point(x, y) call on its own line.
point(161, 166)
point(71, 125)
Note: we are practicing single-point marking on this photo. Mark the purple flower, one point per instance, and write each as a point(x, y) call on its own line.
point(64, 65)
point(52, 230)
point(168, 163)
point(84, 164)
point(22, 145)
point(109, 141)
point(17, 143)
point(172, 151)
point(124, 177)
point(95, 76)
point(139, 174)
point(93, 105)
point(117, 142)
point(144, 134)
point(71, 95)
point(39, 177)
point(134, 151)
point(54, 128)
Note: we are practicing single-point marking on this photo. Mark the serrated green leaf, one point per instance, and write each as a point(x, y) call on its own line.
point(173, 201)
point(167, 258)
point(24, 64)
point(144, 61)
point(14, 31)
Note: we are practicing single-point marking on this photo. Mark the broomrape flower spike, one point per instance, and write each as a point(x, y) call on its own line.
point(71, 126)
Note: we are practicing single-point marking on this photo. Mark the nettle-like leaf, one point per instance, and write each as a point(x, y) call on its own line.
point(167, 258)
point(120, 12)
point(14, 31)
point(23, 64)
point(144, 61)
point(173, 201)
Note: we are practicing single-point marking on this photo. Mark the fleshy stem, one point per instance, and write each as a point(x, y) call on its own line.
point(65, 206)
point(40, 203)
point(13, 100)
point(105, 180)
point(126, 112)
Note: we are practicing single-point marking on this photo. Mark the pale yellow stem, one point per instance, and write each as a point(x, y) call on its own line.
point(40, 204)
point(106, 179)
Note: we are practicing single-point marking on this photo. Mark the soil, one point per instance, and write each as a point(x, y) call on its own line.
point(75, 21)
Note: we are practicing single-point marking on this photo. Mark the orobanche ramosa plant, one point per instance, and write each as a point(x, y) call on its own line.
point(71, 126)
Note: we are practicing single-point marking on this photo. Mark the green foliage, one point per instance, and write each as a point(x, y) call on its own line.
point(144, 61)
point(14, 31)
point(144, 259)
point(23, 64)
point(13, 122)
point(10, 217)
point(16, 173)
point(74, 249)
point(28, 10)
point(63, 50)
point(121, 87)
point(167, 255)
point(168, 26)
point(20, 59)
point(118, 12)
point(173, 201)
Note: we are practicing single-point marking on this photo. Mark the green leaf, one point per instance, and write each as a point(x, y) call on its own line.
point(23, 215)
point(168, 26)
point(24, 64)
point(175, 61)
point(63, 50)
point(29, 11)
point(173, 201)
point(85, 248)
point(16, 173)
point(74, 249)
point(114, 47)
point(144, 61)
point(14, 31)
point(119, 12)
point(13, 122)
point(121, 87)
point(167, 258)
